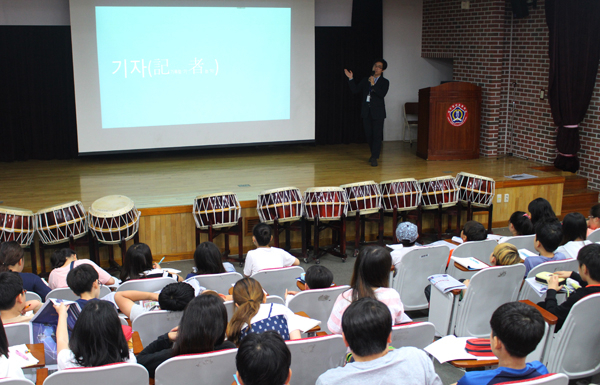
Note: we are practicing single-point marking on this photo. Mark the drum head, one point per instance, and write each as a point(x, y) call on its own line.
point(365, 183)
point(111, 206)
point(323, 189)
point(474, 176)
point(59, 207)
point(278, 190)
point(16, 211)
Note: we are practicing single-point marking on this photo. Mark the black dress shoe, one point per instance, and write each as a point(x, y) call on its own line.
point(373, 162)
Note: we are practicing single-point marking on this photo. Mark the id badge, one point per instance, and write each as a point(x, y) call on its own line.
point(368, 98)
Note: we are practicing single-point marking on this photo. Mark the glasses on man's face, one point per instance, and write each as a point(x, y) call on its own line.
point(590, 217)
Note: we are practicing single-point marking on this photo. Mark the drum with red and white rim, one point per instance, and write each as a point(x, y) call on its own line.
point(328, 203)
point(57, 223)
point(364, 197)
point(438, 190)
point(113, 218)
point(16, 225)
point(403, 194)
point(283, 204)
point(217, 210)
point(477, 189)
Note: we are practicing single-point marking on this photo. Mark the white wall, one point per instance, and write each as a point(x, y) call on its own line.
point(407, 70)
point(34, 12)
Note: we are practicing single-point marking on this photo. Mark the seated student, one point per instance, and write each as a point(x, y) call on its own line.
point(201, 329)
point(594, 219)
point(263, 359)
point(13, 305)
point(473, 231)
point(574, 235)
point(588, 278)
point(316, 277)
point(64, 260)
point(11, 259)
point(367, 330)
point(407, 234)
point(548, 235)
point(370, 278)
point(517, 329)
point(264, 256)
point(8, 368)
point(138, 265)
point(254, 315)
point(83, 281)
point(173, 297)
point(540, 210)
point(520, 224)
point(97, 338)
point(207, 258)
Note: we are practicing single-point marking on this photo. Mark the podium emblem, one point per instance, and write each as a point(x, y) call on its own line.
point(457, 114)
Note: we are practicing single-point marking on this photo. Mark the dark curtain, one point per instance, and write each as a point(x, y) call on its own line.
point(37, 97)
point(574, 51)
point(355, 48)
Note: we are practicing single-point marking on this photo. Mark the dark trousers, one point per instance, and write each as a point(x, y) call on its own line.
point(374, 134)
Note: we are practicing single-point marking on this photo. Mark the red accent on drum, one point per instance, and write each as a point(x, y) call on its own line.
point(16, 225)
point(403, 194)
point(283, 204)
point(216, 210)
point(439, 190)
point(57, 224)
point(327, 203)
point(364, 197)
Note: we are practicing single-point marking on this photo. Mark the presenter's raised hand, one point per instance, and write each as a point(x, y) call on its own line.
point(349, 74)
point(372, 80)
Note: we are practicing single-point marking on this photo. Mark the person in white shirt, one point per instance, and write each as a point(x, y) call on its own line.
point(264, 256)
point(574, 235)
point(407, 234)
point(8, 369)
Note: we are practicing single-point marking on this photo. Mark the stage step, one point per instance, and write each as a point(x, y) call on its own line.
point(577, 199)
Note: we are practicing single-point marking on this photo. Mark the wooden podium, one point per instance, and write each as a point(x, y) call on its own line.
point(449, 121)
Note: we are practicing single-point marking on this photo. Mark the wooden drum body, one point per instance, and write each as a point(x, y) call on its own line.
point(328, 203)
point(363, 196)
point(403, 194)
point(56, 224)
point(113, 218)
point(438, 190)
point(219, 210)
point(16, 225)
point(283, 204)
point(477, 189)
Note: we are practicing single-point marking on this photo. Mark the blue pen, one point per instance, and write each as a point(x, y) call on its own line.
point(236, 379)
point(163, 258)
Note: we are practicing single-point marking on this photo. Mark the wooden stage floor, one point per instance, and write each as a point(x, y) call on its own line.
point(175, 179)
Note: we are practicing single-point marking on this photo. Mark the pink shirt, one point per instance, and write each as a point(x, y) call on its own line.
point(387, 295)
point(58, 276)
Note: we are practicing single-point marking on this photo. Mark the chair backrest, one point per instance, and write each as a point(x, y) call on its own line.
point(155, 323)
point(412, 272)
point(312, 357)
point(521, 242)
point(417, 334)
point(18, 333)
point(150, 285)
point(527, 292)
point(221, 283)
point(317, 303)
point(122, 374)
point(30, 296)
point(67, 294)
point(574, 350)
point(488, 289)
point(276, 281)
point(411, 108)
point(546, 379)
point(200, 369)
point(15, 381)
point(594, 236)
point(479, 249)
point(275, 299)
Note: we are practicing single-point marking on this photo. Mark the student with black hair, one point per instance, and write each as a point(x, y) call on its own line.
point(201, 329)
point(316, 277)
point(13, 303)
point(370, 279)
point(83, 281)
point(520, 224)
point(265, 256)
point(208, 260)
point(548, 235)
point(8, 369)
point(64, 260)
point(11, 259)
point(588, 277)
point(472, 231)
point(367, 331)
point(97, 338)
point(574, 228)
point(174, 297)
point(540, 210)
point(138, 264)
point(593, 219)
point(517, 329)
point(263, 359)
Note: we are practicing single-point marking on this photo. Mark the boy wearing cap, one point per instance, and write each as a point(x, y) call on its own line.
point(407, 234)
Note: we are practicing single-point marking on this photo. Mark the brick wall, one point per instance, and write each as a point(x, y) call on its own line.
point(478, 39)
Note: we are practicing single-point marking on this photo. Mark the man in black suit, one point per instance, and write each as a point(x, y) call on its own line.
point(372, 111)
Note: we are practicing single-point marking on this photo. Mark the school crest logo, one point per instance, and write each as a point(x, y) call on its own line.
point(457, 114)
